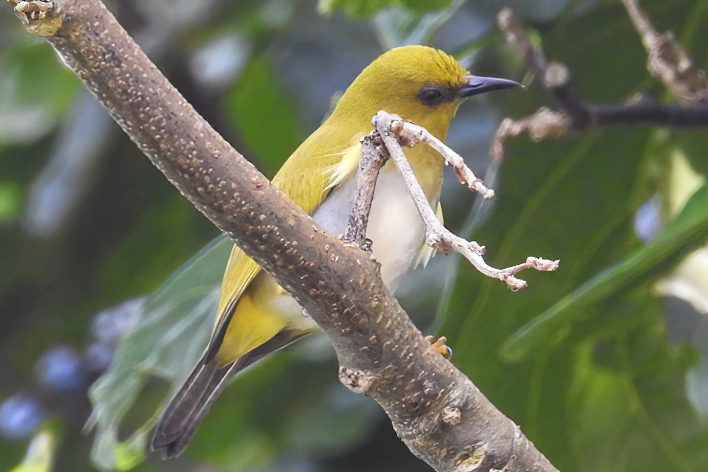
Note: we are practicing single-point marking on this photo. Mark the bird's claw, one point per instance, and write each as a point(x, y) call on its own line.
point(440, 346)
point(366, 245)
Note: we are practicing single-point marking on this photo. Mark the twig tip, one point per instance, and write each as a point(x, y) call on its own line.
point(544, 265)
point(515, 284)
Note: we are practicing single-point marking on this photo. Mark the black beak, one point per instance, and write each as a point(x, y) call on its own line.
point(476, 85)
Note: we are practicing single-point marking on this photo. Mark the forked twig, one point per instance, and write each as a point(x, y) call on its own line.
point(393, 129)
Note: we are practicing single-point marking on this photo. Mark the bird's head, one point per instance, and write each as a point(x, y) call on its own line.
point(421, 84)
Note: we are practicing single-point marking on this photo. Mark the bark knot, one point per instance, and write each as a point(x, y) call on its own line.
point(451, 415)
point(472, 459)
point(356, 380)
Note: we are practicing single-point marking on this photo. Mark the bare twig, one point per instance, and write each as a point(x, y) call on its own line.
point(555, 77)
point(393, 129)
point(373, 156)
point(668, 61)
point(413, 134)
point(435, 409)
point(545, 123)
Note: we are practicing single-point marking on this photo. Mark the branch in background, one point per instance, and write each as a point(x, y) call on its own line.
point(668, 62)
point(435, 409)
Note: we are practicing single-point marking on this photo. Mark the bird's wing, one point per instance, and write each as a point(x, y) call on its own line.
point(326, 168)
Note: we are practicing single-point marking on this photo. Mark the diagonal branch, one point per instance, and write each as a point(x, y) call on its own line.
point(436, 410)
point(668, 62)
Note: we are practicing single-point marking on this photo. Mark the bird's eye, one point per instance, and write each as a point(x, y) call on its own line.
point(432, 95)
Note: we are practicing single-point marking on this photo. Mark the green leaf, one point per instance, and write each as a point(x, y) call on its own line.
point(686, 233)
point(37, 90)
point(605, 393)
point(10, 201)
point(173, 328)
point(131, 453)
point(632, 421)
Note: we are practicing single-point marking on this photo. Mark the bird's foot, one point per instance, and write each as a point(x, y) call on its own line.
point(440, 346)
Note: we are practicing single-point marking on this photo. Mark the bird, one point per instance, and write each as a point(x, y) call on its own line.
point(256, 316)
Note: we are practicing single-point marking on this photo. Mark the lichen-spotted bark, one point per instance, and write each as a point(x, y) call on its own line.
point(435, 409)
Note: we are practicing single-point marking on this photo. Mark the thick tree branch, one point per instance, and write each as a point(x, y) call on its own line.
point(667, 61)
point(435, 409)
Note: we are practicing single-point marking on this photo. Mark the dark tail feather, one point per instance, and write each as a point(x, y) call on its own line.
point(188, 408)
point(192, 402)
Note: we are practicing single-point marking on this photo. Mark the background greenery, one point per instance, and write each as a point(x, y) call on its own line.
point(613, 378)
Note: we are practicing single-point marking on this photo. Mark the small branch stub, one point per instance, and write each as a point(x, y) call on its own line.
point(355, 380)
point(451, 416)
point(471, 460)
point(37, 16)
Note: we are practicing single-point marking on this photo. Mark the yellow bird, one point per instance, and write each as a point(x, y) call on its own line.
point(256, 316)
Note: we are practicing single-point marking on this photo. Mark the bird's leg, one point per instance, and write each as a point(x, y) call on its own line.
point(440, 346)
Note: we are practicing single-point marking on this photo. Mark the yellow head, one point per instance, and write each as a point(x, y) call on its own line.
point(421, 84)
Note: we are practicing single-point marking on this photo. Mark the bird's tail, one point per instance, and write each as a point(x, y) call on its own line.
point(192, 402)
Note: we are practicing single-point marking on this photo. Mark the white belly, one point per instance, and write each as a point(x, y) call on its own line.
point(395, 227)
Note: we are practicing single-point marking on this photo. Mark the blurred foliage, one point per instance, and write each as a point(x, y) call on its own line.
point(257, 108)
point(684, 234)
point(360, 8)
point(30, 105)
point(40, 454)
point(601, 388)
